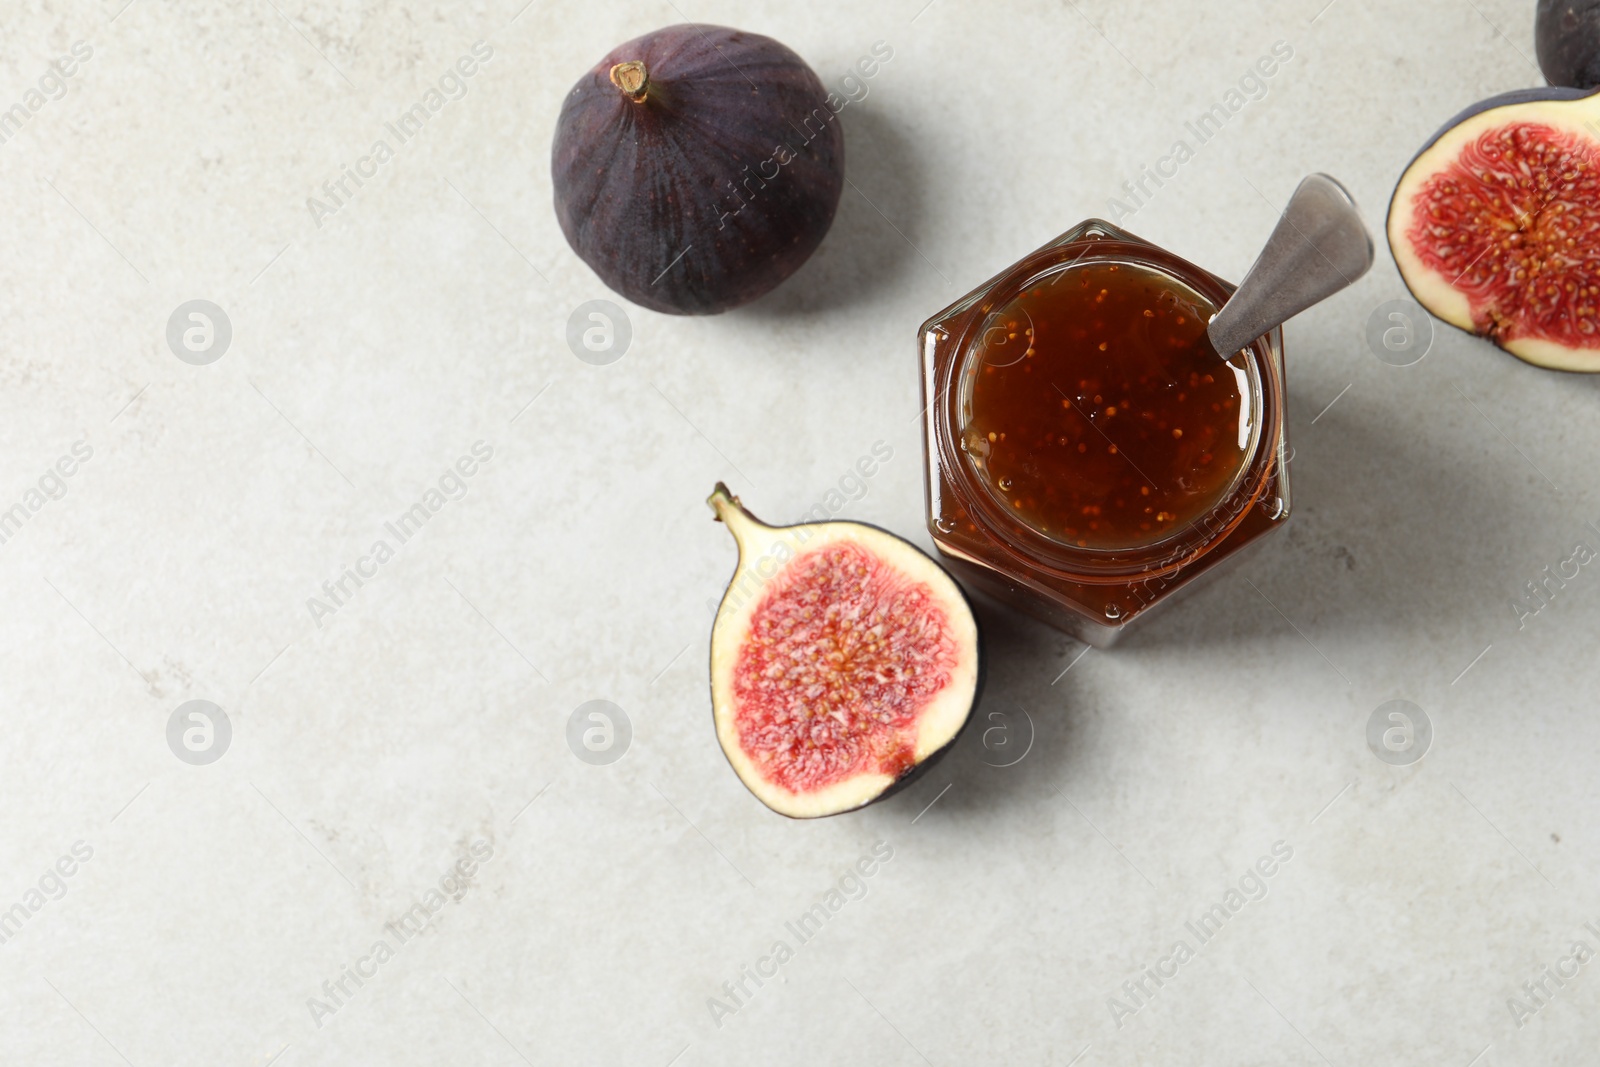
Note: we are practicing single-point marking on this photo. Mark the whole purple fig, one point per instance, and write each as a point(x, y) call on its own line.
point(697, 167)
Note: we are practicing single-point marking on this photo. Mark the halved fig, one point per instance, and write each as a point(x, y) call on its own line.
point(844, 662)
point(1495, 225)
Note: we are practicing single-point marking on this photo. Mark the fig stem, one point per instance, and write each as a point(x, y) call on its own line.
point(723, 502)
point(732, 514)
point(632, 78)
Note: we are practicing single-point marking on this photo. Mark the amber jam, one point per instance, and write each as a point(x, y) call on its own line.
point(1089, 453)
point(1096, 408)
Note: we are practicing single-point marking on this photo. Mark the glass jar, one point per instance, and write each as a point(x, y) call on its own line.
point(1094, 577)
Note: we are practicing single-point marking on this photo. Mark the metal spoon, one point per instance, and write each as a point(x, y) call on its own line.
point(1319, 247)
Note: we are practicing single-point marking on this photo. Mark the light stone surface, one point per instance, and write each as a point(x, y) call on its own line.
point(372, 747)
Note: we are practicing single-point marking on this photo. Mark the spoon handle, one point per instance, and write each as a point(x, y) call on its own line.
point(1320, 246)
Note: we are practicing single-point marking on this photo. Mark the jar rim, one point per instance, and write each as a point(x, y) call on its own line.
point(1095, 241)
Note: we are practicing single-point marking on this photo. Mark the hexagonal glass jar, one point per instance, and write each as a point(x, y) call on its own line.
point(1093, 593)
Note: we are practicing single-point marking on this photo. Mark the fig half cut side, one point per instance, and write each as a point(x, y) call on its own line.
point(844, 662)
point(1495, 225)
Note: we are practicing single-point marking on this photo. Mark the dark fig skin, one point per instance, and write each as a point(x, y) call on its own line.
point(1567, 41)
point(697, 167)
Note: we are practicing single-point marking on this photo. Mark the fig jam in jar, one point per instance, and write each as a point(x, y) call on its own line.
point(1089, 454)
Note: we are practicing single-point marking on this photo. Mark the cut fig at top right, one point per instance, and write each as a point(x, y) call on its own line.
point(1495, 224)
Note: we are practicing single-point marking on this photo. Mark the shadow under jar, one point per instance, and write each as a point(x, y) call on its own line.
point(1089, 455)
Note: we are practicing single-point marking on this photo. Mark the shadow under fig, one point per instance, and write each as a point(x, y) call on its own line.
point(1028, 728)
point(862, 251)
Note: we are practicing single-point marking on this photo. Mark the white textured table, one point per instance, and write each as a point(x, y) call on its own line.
point(420, 721)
